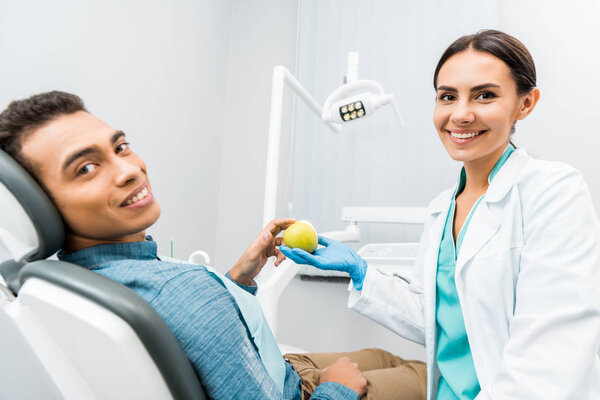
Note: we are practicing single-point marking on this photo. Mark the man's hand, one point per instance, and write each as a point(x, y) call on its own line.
point(262, 247)
point(345, 372)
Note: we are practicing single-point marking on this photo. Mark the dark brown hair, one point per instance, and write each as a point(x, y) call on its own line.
point(501, 45)
point(21, 117)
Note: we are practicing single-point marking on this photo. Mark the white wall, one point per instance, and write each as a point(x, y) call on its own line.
point(263, 34)
point(152, 68)
point(564, 42)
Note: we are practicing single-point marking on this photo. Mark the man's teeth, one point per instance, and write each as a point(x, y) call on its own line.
point(138, 196)
point(465, 135)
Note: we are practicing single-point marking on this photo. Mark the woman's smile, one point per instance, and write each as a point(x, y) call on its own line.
point(462, 136)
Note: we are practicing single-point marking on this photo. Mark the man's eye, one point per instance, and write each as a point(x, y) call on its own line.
point(486, 96)
point(122, 147)
point(86, 169)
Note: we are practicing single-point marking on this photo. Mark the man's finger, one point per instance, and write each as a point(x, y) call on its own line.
point(280, 257)
point(266, 235)
point(279, 224)
point(271, 249)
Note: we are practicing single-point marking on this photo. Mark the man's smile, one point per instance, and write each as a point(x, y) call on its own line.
point(139, 197)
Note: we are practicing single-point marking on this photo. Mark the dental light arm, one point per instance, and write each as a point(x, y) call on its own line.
point(282, 76)
point(272, 287)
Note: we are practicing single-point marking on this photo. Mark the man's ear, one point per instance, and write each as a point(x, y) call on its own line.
point(528, 103)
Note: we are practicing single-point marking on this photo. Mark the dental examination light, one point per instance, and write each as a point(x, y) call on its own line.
point(341, 106)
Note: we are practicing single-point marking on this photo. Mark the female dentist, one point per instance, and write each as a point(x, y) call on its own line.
point(506, 296)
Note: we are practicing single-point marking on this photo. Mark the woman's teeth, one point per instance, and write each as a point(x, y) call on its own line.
point(465, 135)
point(138, 197)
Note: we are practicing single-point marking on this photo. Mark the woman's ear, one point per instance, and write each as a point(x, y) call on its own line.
point(528, 103)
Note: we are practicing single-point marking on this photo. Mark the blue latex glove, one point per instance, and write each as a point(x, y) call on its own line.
point(334, 256)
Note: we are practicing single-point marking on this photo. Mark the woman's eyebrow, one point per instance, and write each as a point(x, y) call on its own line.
point(473, 89)
point(484, 86)
point(447, 88)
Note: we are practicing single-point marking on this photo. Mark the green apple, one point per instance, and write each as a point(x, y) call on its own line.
point(301, 235)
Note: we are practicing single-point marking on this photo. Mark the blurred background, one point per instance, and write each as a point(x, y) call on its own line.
point(190, 84)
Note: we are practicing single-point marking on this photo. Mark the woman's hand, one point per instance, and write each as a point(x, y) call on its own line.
point(262, 247)
point(334, 255)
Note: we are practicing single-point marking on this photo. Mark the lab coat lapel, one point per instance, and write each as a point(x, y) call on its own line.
point(485, 224)
point(438, 210)
point(482, 228)
point(430, 262)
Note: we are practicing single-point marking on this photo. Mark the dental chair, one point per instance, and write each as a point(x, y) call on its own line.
point(69, 333)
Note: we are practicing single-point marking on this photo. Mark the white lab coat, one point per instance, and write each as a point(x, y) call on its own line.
point(528, 281)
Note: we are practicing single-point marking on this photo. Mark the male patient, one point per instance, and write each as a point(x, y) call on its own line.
point(101, 188)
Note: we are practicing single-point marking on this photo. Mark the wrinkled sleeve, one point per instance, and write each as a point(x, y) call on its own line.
point(394, 301)
point(333, 391)
point(250, 289)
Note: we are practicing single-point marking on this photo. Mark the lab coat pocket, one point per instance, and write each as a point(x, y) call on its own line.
point(497, 245)
point(491, 279)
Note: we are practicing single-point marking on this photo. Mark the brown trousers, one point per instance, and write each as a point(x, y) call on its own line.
point(388, 376)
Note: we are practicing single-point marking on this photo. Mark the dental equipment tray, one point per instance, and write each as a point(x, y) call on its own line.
point(395, 258)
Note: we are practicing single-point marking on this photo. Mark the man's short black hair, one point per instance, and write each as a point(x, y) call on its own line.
point(21, 117)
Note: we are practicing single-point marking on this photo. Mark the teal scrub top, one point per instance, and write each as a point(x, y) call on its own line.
point(458, 379)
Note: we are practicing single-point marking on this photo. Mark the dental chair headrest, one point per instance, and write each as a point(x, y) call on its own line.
point(39, 208)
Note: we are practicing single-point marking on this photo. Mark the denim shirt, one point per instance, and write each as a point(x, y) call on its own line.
point(204, 318)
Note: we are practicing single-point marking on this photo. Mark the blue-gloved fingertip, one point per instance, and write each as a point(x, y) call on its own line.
point(358, 286)
point(324, 241)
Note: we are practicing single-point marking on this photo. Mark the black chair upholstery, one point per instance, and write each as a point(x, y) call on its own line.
point(46, 220)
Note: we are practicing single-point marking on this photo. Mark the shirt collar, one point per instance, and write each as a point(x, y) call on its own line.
point(104, 253)
point(507, 152)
